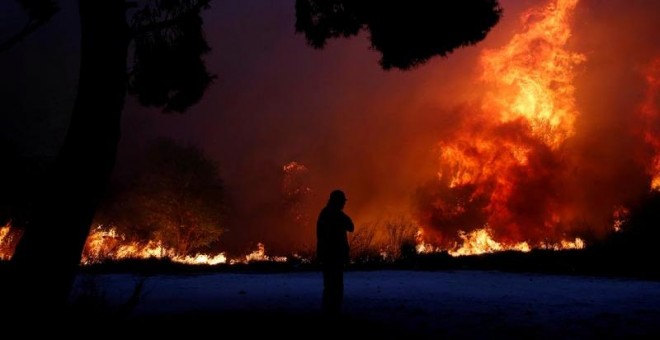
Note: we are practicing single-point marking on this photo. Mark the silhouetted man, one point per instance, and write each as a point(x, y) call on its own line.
point(332, 250)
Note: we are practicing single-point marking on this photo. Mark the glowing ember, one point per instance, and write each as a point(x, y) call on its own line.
point(620, 216)
point(260, 255)
point(299, 258)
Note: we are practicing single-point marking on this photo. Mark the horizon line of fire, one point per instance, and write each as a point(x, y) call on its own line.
point(106, 244)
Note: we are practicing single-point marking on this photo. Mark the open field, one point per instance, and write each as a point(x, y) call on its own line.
point(387, 304)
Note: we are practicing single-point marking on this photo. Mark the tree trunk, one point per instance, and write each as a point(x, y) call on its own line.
point(46, 260)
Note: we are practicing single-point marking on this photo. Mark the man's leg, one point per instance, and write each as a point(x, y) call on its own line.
point(333, 289)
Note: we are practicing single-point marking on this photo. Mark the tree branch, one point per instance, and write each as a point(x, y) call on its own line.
point(27, 30)
point(169, 22)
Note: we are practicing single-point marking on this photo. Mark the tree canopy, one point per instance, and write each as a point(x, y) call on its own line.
point(174, 196)
point(407, 33)
point(168, 69)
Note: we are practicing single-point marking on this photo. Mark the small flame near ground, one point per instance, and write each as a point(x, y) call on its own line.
point(480, 241)
point(105, 244)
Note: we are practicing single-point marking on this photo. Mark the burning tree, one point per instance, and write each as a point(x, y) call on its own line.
point(505, 165)
point(175, 197)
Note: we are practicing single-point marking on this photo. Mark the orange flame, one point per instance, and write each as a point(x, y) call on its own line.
point(480, 242)
point(422, 246)
point(107, 244)
point(533, 75)
point(513, 144)
point(5, 242)
point(532, 86)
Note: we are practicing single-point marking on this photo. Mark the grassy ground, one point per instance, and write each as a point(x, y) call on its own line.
point(596, 262)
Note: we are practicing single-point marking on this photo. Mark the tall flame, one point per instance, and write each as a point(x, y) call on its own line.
point(532, 76)
point(510, 148)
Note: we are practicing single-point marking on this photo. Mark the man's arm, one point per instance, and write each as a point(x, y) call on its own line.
point(348, 223)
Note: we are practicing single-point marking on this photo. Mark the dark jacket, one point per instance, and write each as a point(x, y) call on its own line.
point(332, 242)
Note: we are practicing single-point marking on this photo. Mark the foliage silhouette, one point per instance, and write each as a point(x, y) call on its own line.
point(65, 208)
point(406, 33)
point(168, 69)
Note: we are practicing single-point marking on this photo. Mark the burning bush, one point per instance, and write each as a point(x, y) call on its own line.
point(175, 197)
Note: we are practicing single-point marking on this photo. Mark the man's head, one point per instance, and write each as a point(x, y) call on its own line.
point(337, 199)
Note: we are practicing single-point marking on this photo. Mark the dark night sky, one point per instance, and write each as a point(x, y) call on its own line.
point(276, 100)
